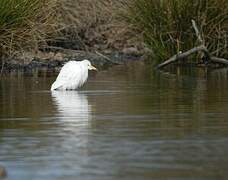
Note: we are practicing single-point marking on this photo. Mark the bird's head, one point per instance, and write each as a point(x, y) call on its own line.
point(89, 65)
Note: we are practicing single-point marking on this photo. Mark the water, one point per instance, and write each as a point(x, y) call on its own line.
point(128, 122)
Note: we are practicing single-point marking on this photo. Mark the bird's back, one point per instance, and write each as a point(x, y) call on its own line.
point(72, 76)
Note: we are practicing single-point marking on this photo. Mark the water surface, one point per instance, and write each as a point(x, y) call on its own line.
point(129, 122)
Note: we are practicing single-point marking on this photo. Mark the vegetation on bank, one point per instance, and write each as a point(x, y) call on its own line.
point(25, 24)
point(167, 27)
point(94, 24)
point(115, 24)
point(28, 25)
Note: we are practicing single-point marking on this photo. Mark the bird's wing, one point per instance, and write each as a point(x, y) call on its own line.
point(69, 75)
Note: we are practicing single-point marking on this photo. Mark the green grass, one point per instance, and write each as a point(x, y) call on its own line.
point(167, 29)
point(25, 24)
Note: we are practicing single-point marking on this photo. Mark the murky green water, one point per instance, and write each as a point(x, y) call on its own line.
point(127, 123)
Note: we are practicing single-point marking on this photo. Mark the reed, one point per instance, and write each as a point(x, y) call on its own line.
point(167, 29)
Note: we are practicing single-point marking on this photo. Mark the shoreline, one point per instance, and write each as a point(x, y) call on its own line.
point(55, 60)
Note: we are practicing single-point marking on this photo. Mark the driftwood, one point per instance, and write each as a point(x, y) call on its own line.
point(202, 48)
point(181, 56)
point(219, 60)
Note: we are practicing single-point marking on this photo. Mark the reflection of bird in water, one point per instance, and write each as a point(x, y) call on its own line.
point(72, 105)
point(72, 75)
point(73, 118)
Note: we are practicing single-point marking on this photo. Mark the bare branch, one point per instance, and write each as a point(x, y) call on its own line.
point(197, 32)
point(219, 60)
point(182, 56)
point(202, 48)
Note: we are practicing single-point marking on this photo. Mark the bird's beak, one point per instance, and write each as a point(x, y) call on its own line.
point(92, 68)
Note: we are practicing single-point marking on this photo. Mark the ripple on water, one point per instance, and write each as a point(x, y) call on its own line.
point(129, 123)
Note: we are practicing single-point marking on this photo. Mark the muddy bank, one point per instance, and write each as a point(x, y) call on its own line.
point(55, 59)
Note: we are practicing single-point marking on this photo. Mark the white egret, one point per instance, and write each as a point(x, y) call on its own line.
point(72, 75)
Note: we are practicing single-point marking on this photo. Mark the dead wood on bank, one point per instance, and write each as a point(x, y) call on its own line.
point(206, 56)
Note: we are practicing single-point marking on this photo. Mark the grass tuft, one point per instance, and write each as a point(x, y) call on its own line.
point(25, 24)
point(167, 29)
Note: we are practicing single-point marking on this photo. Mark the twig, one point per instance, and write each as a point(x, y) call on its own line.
point(107, 58)
point(3, 64)
point(64, 49)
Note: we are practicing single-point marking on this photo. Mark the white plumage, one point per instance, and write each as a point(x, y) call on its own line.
point(72, 75)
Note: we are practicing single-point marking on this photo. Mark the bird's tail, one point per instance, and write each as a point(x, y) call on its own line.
point(55, 86)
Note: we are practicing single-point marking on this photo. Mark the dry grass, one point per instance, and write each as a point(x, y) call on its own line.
point(28, 25)
point(95, 23)
point(25, 24)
